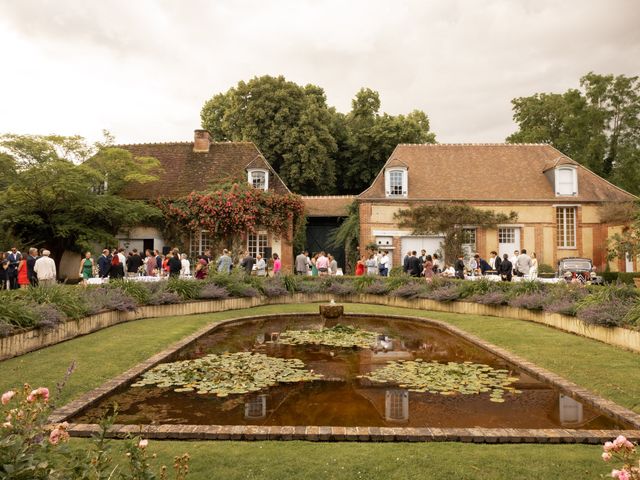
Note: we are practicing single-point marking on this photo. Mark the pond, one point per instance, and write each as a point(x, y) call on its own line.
point(404, 373)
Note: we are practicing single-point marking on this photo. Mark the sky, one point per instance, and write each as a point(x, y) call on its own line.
point(143, 69)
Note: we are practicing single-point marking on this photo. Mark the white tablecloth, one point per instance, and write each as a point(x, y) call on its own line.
point(496, 278)
point(100, 281)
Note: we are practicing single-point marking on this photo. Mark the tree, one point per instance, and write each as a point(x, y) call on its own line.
point(314, 148)
point(371, 138)
point(598, 126)
point(626, 243)
point(289, 123)
point(448, 219)
point(55, 196)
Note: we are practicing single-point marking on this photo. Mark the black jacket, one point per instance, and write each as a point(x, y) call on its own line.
point(103, 265)
point(175, 265)
point(505, 267)
point(247, 263)
point(134, 262)
point(413, 266)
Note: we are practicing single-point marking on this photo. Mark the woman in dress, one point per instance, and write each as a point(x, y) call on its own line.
point(360, 267)
point(427, 268)
point(314, 269)
point(372, 265)
point(86, 268)
point(533, 271)
point(150, 265)
point(277, 265)
point(23, 277)
point(201, 269)
point(4, 271)
point(185, 271)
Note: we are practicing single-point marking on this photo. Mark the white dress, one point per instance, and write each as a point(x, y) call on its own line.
point(533, 273)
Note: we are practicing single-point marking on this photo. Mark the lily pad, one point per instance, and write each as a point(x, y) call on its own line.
point(227, 374)
point(337, 336)
point(446, 378)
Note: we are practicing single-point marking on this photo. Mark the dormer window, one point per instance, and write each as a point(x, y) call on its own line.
point(259, 179)
point(566, 181)
point(396, 182)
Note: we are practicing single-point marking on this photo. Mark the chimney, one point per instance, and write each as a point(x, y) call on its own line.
point(201, 140)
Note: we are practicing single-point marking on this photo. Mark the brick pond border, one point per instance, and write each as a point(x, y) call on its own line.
point(24, 342)
point(360, 434)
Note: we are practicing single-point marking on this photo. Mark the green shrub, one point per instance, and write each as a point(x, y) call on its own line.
point(290, 282)
point(187, 289)
point(632, 318)
point(546, 268)
point(18, 313)
point(362, 282)
point(607, 294)
point(68, 299)
point(141, 292)
point(622, 277)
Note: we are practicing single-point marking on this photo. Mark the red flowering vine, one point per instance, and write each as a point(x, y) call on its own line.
point(235, 211)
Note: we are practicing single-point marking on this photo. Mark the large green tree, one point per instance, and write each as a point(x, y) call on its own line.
point(371, 137)
point(60, 192)
point(597, 125)
point(314, 148)
point(289, 123)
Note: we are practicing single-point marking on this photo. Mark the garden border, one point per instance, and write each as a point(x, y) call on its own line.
point(35, 339)
point(333, 433)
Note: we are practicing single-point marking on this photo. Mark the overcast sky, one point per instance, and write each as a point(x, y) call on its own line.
point(143, 69)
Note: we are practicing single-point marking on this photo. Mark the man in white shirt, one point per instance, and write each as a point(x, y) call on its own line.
point(383, 266)
point(514, 259)
point(45, 269)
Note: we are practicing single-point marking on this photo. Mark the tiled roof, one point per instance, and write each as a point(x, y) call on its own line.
point(186, 171)
point(492, 171)
point(327, 206)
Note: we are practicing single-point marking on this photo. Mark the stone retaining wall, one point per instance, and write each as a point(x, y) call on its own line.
point(24, 342)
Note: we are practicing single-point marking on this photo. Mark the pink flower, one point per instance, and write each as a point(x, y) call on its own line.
point(143, 444)
point(59, 434)
point(7, 396)
point(620, 441)
point(608, 446)
point(41, 392)
point(615, 473)
point(606, 456)
point(623, 475)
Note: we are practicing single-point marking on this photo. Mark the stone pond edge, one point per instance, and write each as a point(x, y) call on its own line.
point(333, 433)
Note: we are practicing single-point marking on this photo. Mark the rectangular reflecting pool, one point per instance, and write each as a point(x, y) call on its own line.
point(466, 386)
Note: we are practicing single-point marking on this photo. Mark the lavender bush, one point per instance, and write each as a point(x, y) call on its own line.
point(609, 314)
point(100, 299)
point(490, 298)
point(274, 289)
point(50, 316)
point(409, 290)
point(530, 301)
point(337, 288)
point(164, 298)
point(377, 288)
point(447, 293)
point(211, 291)
point(565, 306)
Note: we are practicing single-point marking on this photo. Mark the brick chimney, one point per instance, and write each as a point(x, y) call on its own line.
point(201, 140)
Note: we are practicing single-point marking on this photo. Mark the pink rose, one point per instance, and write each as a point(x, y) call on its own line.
point(623, 475)
point(41, 392)
point(608, 446)
point(143, 444)
point(620, 441)
point(606, 456)
point(7, 396)
point(615, 473)
point(58, 434)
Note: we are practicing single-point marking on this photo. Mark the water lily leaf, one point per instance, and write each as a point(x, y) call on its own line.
point(227, 374)
point(337, 336)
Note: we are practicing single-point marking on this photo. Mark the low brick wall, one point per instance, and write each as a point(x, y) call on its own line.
point(24, 342)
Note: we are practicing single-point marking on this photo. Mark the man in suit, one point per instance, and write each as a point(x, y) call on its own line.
point(405, 262)
point(302, 263)
point(247, 263)
point(14, 259)
point(31, 262)
point(104, 262)
point(413, 265)
point(459, 267)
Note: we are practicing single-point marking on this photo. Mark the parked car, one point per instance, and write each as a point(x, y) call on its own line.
point(578, 269)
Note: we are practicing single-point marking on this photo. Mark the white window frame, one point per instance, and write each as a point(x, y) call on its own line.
point(387, 182)
point(565, 231)
point(573, 189)
point(506, 233)
point(257, 242)
point(199, 241)
point(250, 173)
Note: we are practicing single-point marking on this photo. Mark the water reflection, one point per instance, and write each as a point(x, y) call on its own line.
point(396, 405)
point(571, 411)
point(256, 407)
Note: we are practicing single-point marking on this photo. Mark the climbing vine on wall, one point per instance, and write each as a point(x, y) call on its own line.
point(234, 211)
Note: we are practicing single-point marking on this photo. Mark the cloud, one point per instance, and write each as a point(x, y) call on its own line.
point(143, 69)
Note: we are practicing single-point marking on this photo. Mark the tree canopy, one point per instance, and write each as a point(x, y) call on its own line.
point(53, 191)
point(597, 125)
point(314, 148)
point(449, 219)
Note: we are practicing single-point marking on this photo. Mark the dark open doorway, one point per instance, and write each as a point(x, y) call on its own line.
point(318, 231)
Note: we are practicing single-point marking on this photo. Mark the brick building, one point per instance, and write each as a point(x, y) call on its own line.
point(199, 166)
point(558, 201)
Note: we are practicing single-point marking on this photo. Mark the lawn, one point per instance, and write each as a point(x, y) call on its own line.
point(608, 371)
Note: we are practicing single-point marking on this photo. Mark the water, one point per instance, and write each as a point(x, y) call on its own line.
point(344, 399)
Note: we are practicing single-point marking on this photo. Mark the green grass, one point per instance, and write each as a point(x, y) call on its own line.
point(609, 371)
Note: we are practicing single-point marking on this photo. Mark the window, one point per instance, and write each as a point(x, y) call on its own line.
point(259, 179)
point(396, 182)
point(566, 223)
point(200, 241)
point(469, 237)
point(506, 235)
point(256, 243)
point(566, 181)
